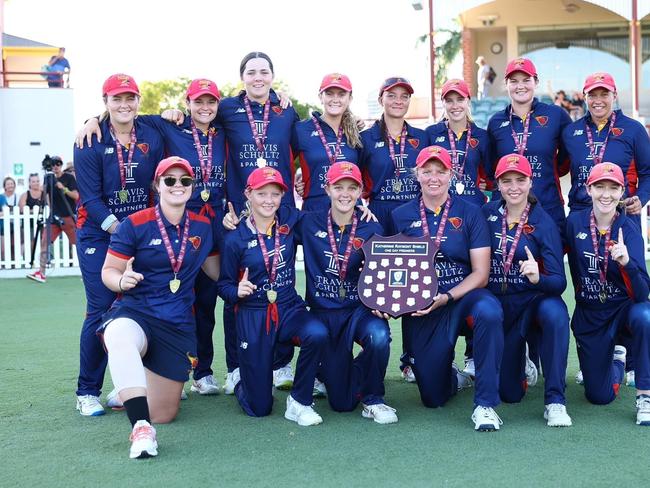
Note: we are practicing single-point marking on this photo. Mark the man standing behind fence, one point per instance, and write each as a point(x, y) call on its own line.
point(62, 195)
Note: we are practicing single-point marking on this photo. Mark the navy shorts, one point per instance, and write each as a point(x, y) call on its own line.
point(171, 348)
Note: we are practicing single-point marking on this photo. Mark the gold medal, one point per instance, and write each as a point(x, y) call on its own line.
point(205, 194)
point(124, 195)
point(174, 285)
point(342, 292)
point(272, 295)
point(460, 188)
point(397, 186)
point(261, 162)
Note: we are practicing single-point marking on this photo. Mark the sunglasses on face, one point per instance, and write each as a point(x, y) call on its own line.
point(57, 163)
point(171, 180)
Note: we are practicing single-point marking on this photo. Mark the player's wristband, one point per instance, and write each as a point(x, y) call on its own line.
point(450, 297)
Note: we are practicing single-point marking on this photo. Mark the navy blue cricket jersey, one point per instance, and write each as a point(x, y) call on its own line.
point(475, 158)
point(139, 236)
point(541, 236)
point(466, 229)
point(544, 151)
point(241, 147)
point(628, 146)
point(378, 169)
point(98, 176)
point(323, 280)
point(628, 282)
point(314, 161)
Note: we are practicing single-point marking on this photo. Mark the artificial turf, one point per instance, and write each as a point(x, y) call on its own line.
point(44, 442)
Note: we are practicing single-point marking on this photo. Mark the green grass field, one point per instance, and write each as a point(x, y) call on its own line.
point(45, 443)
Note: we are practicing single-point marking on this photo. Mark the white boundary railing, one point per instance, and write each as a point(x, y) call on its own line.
point(16, 251)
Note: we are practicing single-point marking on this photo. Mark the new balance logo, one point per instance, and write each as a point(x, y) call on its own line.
point(314, 133)
point(493, 218)
point(415, 224)
point(109, 150)
point(90, 250)
point(252, 244)
point(155, 242)
point(240, 111)
point(581, 235)
point(321, 234)
point(578, 132)
point(379, 144)
point(505, 124)
point(440, 139)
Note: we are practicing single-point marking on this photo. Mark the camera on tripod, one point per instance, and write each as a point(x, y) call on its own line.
point(49, 161)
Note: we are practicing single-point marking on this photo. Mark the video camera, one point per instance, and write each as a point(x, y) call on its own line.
point(48, 162)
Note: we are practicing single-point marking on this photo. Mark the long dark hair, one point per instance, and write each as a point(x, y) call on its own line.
point(253, 55)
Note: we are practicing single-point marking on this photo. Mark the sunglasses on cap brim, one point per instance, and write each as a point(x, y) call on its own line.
point(171, 180)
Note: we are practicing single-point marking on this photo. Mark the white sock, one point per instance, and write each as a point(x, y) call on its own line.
point(126, 343)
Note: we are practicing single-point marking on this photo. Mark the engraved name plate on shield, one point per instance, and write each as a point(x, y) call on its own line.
point(398, 275)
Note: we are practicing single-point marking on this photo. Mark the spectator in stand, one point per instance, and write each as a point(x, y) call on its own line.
point(577, 105)
point(57, 66)
point(483, 81)
point(63, 202)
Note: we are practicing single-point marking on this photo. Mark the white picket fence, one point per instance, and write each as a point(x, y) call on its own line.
point(16, 252)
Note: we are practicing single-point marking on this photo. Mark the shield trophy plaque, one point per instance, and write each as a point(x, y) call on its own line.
point(398, 275)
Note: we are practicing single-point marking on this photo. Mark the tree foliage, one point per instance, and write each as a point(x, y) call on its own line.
point(445, 52)
point(161, 95)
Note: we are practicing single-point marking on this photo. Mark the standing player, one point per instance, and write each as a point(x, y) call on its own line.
point(332, 240)
point(258, 277)
point(532, 129)
point(611, 283)
point(324, 139)
point(459, 231)
point(467, 144)
point(390, 148)
point(198, 140)
point(114, 180)
point(527, 276)
point(149, 332)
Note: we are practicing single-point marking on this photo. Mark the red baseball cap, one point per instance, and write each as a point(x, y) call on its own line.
point(335, 80)
point(513, 162)
point(173, 162)
point(120, 83)
point(201, 86)
point(606, 171)
point(265, 176)
point(599, 80)
point(341, 170)
point(524, 65)
point(455, 85)
point(394, 81)
point(433, 153)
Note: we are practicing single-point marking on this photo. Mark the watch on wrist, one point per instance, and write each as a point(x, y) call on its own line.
point(450, 297)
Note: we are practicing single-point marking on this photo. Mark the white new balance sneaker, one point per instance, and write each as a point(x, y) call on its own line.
point(630, 379)
point(408, 375)
point(113, 400)
point(320, 391)
point(143, 441)
point(301, 414)
point(556, 415)
point(620, 354)
point(283, 377)
point(470, 369)
point(579, 378)
point(205, 386)
point(464, 380)
point(232, 379)
point(380, 413)
point(643, 410)
point(531, 370)
point(486, 419)
point(89, 406)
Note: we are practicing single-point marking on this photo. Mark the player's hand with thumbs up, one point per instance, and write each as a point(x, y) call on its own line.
point(529, 268)
point(230, 220)
point(130, 278)
point(245, 287)
point(618, 250)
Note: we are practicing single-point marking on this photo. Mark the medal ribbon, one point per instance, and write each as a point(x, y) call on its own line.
point(259, 138)
point(343, 267)
point(521, 147)
point(339, 138)
point(391, 148)
point(441, 225)
point(271, 269)
point(598, 158)
point(508, 258)
point(206, 163)
point(602, 272)
point(175, 262)
point(120, 156)
point(458, 168)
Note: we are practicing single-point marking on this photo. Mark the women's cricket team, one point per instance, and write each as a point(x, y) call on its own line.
point(178, 209)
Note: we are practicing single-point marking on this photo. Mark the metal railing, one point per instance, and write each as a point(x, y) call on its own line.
point(32, 77)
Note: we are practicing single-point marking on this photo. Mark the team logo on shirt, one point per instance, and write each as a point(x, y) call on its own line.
point(144, 147)
point(617, 131)
point(357, 243)
point(284, 229)
point(414, 143)
point(528, 229)
point(195, 240)
point(277, 109)
point(457, 222)
point(541, 120)
point(473, 142)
